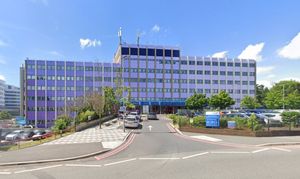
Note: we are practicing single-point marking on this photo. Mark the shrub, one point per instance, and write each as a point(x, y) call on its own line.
point(61, 123)
point(240, 122)
point(199, 121)
point(183, 120)
point(253, 122)
point(223, 123)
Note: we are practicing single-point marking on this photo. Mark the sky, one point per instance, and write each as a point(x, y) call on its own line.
point(267, 31)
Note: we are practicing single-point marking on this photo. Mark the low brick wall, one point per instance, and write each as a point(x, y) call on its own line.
point(236, 132)
point(93, 123)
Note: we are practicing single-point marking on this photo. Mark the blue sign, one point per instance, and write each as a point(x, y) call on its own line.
point(231, 124)
point(212, 119)
point(20, 120)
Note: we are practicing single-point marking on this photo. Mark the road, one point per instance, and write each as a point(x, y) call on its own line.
point(162, 153)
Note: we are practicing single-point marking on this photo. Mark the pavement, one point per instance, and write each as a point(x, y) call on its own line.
point(85, 143)
point(156, 150)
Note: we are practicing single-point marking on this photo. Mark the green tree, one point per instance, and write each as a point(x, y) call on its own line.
point(61, 123)
point(110, 100)
point(284, 94)
point(221, 100)
point(196, 101)
point(249, 102)
point(5, 115)
point(261, 93)
point(290, 117)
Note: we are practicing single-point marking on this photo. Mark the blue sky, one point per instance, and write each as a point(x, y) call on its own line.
point(87, 30)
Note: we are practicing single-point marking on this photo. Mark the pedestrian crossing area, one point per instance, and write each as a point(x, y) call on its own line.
point(91, 135)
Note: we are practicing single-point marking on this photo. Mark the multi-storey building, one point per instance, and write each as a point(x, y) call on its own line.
point(158, 76)
point(9, 98)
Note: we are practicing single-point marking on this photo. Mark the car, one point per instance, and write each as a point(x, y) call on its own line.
point(27, 135)
point(272, 119)
point(41, 134)
point(134, 113)
point(131, 121)
point(241, 115)
point(15, 135)
point(152, 115)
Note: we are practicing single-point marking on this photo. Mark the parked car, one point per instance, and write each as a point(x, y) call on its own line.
point(27, 135)
point(131, 121)
point(241, 115)
point(15, 135)
point(135, 114)
point(152, 115)
point(273, 119)
point(41, 134)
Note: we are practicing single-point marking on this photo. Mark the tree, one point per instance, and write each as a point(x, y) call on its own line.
point(110, 100)
point(284, 94)
point(249, 102)
point(61, 123)
point(5, 115)
point(221, 100)
point(289, 117)
point(261, 93)
point(196, 101)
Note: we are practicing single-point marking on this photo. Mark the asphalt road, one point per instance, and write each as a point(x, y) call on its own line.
point(161, 153)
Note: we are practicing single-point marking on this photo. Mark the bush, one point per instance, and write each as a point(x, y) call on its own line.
point(253, 122)
point(223, 123)
point(61, 123)
point(199, 121)
point(183, 121)
point(83, 116)
point(290, 117)
point(240, 122)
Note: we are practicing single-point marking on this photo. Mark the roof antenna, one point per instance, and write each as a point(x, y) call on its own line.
point(138, 38)
point(120, 36)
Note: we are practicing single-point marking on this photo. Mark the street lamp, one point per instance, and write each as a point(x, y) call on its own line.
point(283, 106)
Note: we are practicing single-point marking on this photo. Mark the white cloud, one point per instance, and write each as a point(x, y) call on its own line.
point(222, 54)
point(266, 83)
point(155, 28)
point(89, 43)
point(252, 52)
point(2, 77)
point(264, 70)
point(271, 76)
point(55, 53)
point(2, 43)
point(292, 49)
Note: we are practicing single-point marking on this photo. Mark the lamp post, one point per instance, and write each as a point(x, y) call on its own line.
point(283, 106)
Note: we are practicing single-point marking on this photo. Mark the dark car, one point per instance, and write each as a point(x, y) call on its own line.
point(27, 135)
point(152, 115)
point(41, 134)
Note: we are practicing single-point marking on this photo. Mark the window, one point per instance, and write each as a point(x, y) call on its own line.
point(207, 91)
point(192, 81)
point(237, 91)
point(150, 52)
point(183, 71)
point(237, 82)
point(192, 71)
point(230, 64)
point(133, 51)
point(200, 90)
point(215, 82)
point(237, 73)
point(207, 81)
point(207, 72)
point(251, 83)
point(230, 82)
point(251, 73)
point(183, 62)
point(215, 91)
point(222, 64)
point(191, 62)
point(237, 64)
point(125, 51)
point(142, 51)
point(252, 64)
point(200, 81)
point(245, 73)
point(200, 63)
point(244, 91)
point(245, 65)
point(215, 73)
point(252, 91)
point(207, 63)
point(223, 82)
point(159, 52)
point(230, 91)
point(215, 64)
point(222, 73)
point(176, 53)
point(168, 53)
point(230, 73)
point(199, 72)
point(245, 82)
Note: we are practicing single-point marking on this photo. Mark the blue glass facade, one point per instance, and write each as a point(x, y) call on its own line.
point(158, 76)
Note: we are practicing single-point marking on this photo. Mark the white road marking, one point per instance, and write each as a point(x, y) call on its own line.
point(195, 155)
point(203, 137)
point(123, 161)
point(159, 158)
point(281, 149)
point(150, 128)
point(260, 150)
point(35, 169)
point(82, 165)
point(111, 145)
point(230, 152)
point(5, 173)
